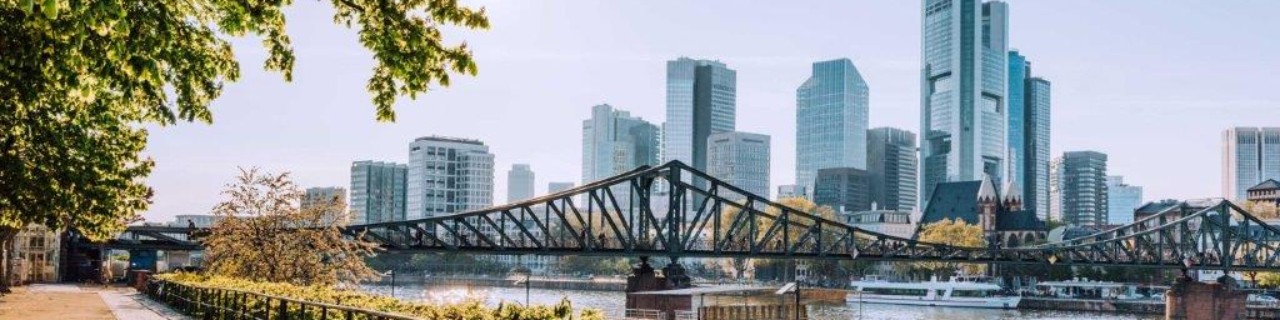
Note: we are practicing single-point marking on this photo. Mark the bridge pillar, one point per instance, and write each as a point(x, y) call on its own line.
point(676, 276)
point(643, 278)
point(1194, 300)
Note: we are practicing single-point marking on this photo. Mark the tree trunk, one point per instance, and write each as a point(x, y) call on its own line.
point(6, 257)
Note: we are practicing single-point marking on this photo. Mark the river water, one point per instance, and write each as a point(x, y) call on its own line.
point(612, 303)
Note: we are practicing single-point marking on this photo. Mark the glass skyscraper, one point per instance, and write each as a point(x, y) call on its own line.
point(831, 120)
point(1080, 187)
point(1122, 200)
point(614, 142)
point(892, 164)
point(519, 183)
point(963, 91)
point(1028, 135)
point(1249, 157)
point(377, 191)
point(741, 159)
point(701, 100)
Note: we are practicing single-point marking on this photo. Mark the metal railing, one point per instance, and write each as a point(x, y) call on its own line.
point(216, 303)
point(643, 314)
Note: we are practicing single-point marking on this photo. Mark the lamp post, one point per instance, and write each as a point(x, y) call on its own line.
point(522, 270)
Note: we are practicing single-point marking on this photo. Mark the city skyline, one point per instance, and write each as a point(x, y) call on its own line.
point(188, 176)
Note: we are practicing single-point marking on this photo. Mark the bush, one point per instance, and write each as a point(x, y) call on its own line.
point(328, 294)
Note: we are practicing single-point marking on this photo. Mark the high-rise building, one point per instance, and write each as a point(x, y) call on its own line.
point(1028, 135)
point(701, 100)
point(792, 191)
point(614, 142)
point(1122, 200)
point(843, 189)
point(831, 120)
point(1249, 157)
point(554, 187)
point(377, 191)
point(1079, 184)
point(892, 164)
point(322, 196)
point(740, 159)
point(963, 91)
point(448, 175)
point(519, 183)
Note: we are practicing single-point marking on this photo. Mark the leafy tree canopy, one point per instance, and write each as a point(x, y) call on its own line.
point(79, 78)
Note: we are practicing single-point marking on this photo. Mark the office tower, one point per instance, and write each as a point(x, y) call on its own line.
point(1122, 200)
point(554, 187)
point(792, 191)
point(963, 84)
point(1249, 157)
point(614, 142)
point(892, 164)
point(519, 183)
point(377, 191)
point(831, 120)
point(843, 189)
point(1028, 134)
point(322, 196)
point(740, 159)
point(1080, 183)
point(701, 100)
point(447, 176)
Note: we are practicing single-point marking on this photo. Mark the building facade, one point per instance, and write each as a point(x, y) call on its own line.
point(963, 91)
point(1122, 201)
point(1081, 186)
point(843, 189)
point(554, 187)
point(792, 191)
point(322, 196)
point(1249, 157)
point(1027, 137)
point(832, 115)
point(520, 181)
point(892, 163)
point(740, 159)
point(378, 191)
point(614, 142)
point(448, 175)
point(701, 100)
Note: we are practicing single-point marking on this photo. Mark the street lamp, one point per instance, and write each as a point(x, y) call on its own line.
point(522, 270)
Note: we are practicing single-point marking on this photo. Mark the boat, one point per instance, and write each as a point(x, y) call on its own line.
point(953, 293)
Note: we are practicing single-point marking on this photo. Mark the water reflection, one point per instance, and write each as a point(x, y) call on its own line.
point(612, 303)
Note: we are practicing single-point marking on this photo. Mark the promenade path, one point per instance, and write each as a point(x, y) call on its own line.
point(76, 302)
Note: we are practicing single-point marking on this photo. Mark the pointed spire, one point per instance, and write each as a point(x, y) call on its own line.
point(1010, 192)
point(987, 192)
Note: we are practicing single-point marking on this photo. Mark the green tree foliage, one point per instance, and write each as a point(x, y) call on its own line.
point(262, 235)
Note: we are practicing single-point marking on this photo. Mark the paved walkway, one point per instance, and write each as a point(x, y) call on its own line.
point(75, 302)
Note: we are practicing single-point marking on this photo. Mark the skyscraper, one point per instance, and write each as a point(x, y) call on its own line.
point(1122, 200)
point(1028, 134)
point(963, 91)
point(1080, 181)
point(377, 191)
point(1249, 157)
point(831, 120)
point(614, 142)
point(701, 100)
point(448, 175)
point(519, 183)
point(554, 187)
point(892, 165)
point(741, 159)
point(843, 189)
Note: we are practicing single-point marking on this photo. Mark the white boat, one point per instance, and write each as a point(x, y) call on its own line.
point(953, 293)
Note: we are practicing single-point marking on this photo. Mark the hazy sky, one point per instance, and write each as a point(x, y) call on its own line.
point(1150, 83)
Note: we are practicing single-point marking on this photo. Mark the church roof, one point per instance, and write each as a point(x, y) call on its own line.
point(1270, 184)
point(1010, 192)
point(987, 190)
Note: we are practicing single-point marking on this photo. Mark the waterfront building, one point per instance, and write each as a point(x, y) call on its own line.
point(1267, 191)
point(892, 163)
point(963, 91)
point(832, 115)
point(1002, 217)
point(1249, 157)
point(554, 187)
point(448, 175)
point(898, 223)
point(740, 159)
point(792, 191)
point(1079, 185)
point(701, 100)
point(519, 183)
point(843, 189)
point(614, 142)
point(1122, 201)
point(378, 191)
point(1027, 137)
point(1154, 207)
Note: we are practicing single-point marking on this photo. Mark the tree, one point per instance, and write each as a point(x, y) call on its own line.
point(262, 235)
point(776, 268)
point(79, 79)
point(1261, 209)
point(952, 233)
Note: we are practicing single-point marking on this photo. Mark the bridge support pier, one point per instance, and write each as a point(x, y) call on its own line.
point(643, 277)
point(1193, 300)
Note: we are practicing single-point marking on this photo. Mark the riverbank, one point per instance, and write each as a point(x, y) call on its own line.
point(618, 285)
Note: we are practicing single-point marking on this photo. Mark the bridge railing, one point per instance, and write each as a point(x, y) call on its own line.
point(217, 303)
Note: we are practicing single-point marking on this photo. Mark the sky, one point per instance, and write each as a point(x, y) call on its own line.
point(1152, 83)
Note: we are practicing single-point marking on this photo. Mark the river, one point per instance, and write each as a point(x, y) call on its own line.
point(612, 303)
